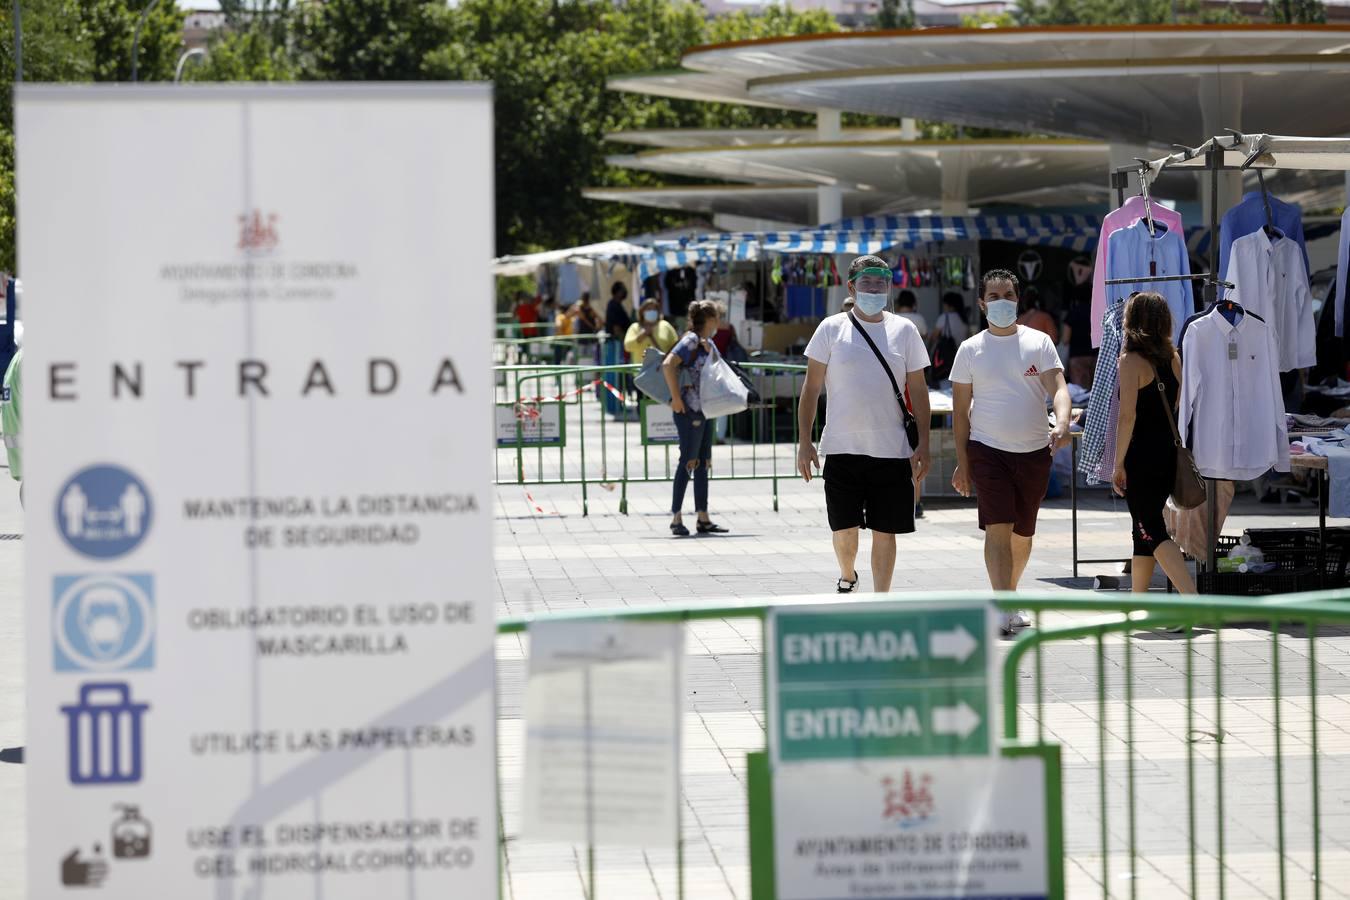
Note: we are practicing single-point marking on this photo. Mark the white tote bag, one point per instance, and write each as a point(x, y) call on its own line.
point(720, 390)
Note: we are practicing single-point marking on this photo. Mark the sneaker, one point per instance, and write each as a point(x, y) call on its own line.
point(918, 510)
point(1013, 621)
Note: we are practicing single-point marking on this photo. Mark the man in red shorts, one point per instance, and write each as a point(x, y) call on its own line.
point(1004, 442)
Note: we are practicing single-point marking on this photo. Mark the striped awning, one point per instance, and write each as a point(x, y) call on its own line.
point(872, 234)
point(709, 249)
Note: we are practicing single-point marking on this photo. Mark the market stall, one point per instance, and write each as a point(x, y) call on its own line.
point(1257, 274)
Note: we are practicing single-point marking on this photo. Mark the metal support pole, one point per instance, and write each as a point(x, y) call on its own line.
point(1213, 161)
point(198, 52)
point(136, 38)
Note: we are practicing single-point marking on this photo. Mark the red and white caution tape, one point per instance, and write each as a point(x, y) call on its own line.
point(528, 407)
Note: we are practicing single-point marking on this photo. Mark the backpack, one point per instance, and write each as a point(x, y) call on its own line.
point(944, 352)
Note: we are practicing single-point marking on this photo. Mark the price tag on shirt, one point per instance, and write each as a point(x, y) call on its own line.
point(1232, 350)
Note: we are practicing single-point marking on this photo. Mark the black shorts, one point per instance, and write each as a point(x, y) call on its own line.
point(868, 492)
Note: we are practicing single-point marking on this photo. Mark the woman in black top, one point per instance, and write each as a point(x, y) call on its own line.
point(1146, 455)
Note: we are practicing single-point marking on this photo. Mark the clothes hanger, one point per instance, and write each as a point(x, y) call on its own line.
point(1270, 229)
point(1148, 201)
point(1230, 309)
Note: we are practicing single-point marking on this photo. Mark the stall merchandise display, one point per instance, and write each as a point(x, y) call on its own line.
point(1231, 405)
point(1099, 425)
point(1270, 278)
point(1150, 254)
point(1342, 272)
point(1130, 211)
point(1257, 210)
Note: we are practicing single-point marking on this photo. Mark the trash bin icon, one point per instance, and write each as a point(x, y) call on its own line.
point(105, 731)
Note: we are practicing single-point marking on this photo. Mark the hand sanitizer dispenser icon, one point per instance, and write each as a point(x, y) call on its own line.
point(130, 834)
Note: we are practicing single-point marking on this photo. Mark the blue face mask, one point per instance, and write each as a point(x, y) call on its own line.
point(1001, 313)
point(870, 304)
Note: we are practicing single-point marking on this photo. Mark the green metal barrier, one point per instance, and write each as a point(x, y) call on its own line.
point(598, 447)
point(1118, 623)
point(548, 350)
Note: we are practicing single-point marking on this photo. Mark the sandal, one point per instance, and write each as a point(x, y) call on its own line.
point(678, 529)
point(710, 528)
point(844, 586)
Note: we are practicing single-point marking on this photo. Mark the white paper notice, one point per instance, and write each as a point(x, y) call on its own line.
point(258, 534)
point(603, 709)
point(910, 828)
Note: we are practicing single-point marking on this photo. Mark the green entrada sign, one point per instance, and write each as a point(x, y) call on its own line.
point(880, 680)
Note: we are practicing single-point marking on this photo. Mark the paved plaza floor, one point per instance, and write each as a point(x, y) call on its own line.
point(550, 558)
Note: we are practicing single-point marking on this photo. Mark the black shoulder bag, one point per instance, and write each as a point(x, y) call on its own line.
point(911, 423)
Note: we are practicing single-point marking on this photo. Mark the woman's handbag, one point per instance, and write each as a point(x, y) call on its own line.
point(651, 380)
point(911, 424)
point(1188, 488)
point(720, 390)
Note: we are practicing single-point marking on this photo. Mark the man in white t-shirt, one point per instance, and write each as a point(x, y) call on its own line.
point(1004, 443)
point(870, 468)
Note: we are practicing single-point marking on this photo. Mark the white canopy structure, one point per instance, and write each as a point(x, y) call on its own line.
point(527, 264)
point(1161, 84)
point(1264, 151)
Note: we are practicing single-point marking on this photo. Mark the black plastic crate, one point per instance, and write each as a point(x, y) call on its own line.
point(1298, 547)
point(1248, 584)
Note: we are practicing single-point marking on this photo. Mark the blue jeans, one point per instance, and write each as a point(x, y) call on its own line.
point(696, 434)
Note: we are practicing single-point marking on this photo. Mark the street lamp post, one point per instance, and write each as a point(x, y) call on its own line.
point(182, 61)
point(136, 38)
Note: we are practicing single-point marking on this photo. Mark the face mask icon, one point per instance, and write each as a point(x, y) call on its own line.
point(104, 619)
point(103, 623)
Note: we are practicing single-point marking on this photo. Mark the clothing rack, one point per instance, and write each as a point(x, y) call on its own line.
point(1213, 154)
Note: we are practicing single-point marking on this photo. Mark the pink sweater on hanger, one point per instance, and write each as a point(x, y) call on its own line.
point(1127, 215)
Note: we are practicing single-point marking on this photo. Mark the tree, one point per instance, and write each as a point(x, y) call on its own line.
point(370, 40)
point(256, 44)
point(109, 27)
point(1296, 12)
point(549, 63)
point(1121, 12)
point(896, 14)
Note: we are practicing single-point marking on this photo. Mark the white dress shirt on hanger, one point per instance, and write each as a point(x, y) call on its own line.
point(1231, 409)
point(1272, 281)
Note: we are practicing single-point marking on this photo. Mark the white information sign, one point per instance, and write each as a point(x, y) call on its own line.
point(603, 711)
point(258, 529)
point(911, 828)
point(658, 424)
point(539, 424)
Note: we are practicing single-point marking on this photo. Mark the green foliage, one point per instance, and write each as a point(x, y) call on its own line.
point(108, 27)
point(896, 14)
point(1122, 12)
point(549, 63)
point(989, 20)
point(1297, 12)
point(8, 251)
point(255, 45)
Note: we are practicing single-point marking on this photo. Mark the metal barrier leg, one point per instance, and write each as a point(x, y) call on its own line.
point(1101, 762)
point(1316, 787)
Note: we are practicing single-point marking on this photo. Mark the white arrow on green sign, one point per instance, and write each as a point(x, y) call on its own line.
point(881, 680)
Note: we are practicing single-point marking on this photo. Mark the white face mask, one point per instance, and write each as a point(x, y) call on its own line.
point(871, 304)
point(651, 315)
point(1001, 313)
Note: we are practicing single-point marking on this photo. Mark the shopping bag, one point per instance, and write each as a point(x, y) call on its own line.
point(720, 390)
point(651, 380)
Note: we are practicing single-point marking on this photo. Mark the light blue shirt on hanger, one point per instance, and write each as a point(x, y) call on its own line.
point(1134, 253)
